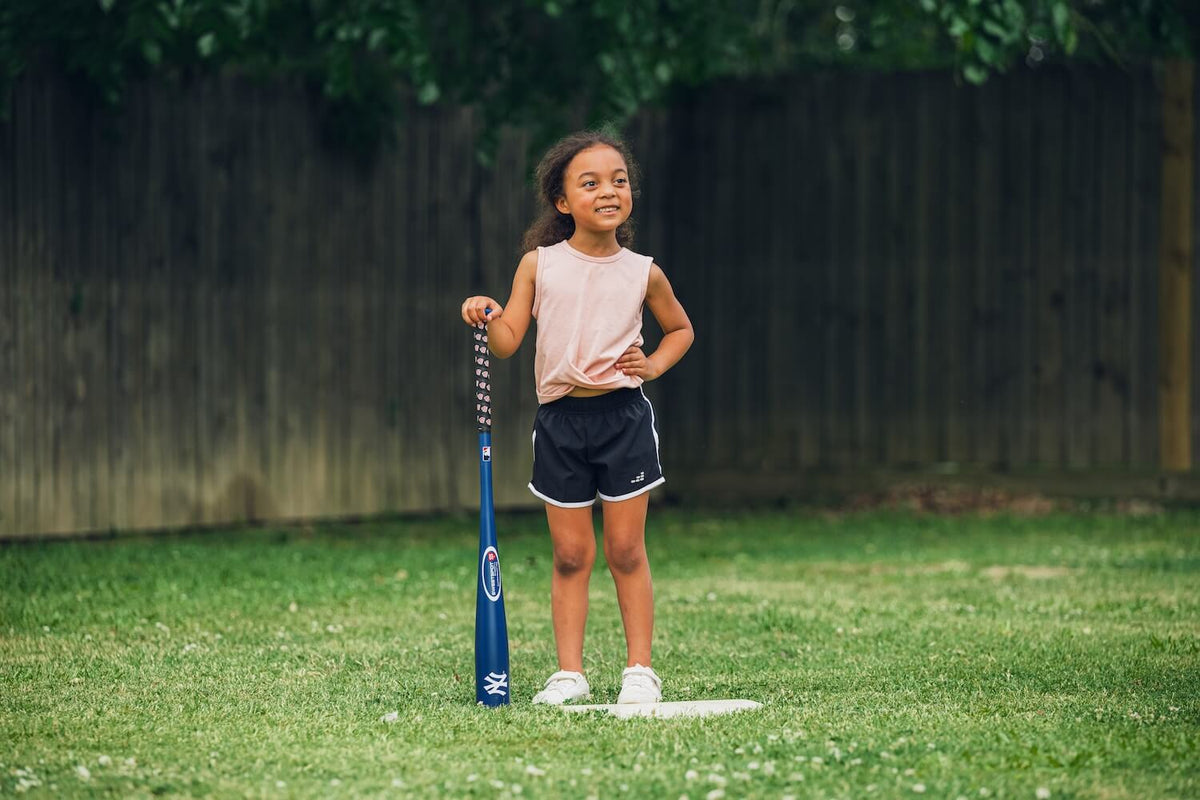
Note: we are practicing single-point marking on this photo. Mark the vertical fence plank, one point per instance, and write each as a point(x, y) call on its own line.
point(833, 428)
point(1141, 257)
point(1022, 342)
point(870, 206)
point(1080, 273)
point(892, 233)
point(1050, 294)
point(1111, 372)
point(938, 147)
point(989, 174)
point(959, 221)
point(925, 409)
point(1177, 241)
point(805, 384)
point(1195, 281)
point(10, 468)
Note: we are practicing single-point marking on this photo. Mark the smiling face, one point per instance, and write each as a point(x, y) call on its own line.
point(596, 191)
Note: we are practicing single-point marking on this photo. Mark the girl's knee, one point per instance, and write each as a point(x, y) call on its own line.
point(573, 560)
point(625, 558)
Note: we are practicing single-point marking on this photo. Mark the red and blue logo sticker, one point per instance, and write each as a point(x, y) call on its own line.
point(489, 573)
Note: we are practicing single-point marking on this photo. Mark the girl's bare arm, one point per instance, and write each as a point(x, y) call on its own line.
point(677, 331)
point(508, 324)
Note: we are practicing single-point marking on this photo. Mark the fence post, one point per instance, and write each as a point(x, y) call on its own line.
point(1175, 254)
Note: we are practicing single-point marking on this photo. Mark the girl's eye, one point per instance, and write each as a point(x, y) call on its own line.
point(588, 184)
point(622, 181)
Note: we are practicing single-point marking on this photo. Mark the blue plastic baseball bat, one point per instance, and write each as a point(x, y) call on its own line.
point(491, 630)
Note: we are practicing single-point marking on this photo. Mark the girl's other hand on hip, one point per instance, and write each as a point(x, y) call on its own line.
point(634, 362)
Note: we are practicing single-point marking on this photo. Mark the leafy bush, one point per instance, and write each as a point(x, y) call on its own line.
point(541, 63)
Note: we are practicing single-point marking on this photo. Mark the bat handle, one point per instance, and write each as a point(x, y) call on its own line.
point(481, 363)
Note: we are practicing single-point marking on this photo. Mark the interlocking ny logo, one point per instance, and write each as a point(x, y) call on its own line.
point(496, 684)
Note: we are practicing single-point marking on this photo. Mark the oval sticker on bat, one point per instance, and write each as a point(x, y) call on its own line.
point(489, 573)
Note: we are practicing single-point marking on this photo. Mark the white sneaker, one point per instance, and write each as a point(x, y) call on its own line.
point(563, 687)
point(640, 685)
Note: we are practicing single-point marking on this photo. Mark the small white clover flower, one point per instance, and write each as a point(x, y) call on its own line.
point(83, 772)
point(1042, 793)
point(919, 788)
point(534, 771)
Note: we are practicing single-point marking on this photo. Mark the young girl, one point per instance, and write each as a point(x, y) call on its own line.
point(595, 430)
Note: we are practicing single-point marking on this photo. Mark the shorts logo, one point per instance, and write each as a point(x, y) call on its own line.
point(641, 476)
point(489, 574)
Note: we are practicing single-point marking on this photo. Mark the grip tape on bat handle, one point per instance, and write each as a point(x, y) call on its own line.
point(481, 363)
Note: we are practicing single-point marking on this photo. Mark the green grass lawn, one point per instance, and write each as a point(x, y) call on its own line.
point(895, 655)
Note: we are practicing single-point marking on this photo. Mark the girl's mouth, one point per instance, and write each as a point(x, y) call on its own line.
point(608, 210)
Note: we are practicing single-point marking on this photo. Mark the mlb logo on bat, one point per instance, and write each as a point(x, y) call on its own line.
point(487, 454)
point(496, 683)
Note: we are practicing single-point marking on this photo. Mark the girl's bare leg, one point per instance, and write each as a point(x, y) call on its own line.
point(625, 550)
point(574, 542)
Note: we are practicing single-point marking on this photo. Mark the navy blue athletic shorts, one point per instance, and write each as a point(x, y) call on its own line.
point(584, 446)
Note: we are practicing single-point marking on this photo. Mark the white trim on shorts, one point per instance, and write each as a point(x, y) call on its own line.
point(661, 480)
point(654, 430)
point(561, 504)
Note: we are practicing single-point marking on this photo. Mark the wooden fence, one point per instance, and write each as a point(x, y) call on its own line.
point(207, 316)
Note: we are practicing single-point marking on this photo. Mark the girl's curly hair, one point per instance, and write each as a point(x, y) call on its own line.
point(552, 226)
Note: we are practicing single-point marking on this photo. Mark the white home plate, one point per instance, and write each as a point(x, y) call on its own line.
point(686, 708)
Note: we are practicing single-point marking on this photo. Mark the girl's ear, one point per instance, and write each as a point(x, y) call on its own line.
point(561, 205)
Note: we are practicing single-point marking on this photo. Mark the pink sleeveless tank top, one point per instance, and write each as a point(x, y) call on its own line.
point(588, 311)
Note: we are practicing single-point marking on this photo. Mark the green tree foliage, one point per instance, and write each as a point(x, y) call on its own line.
point(541, 62)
